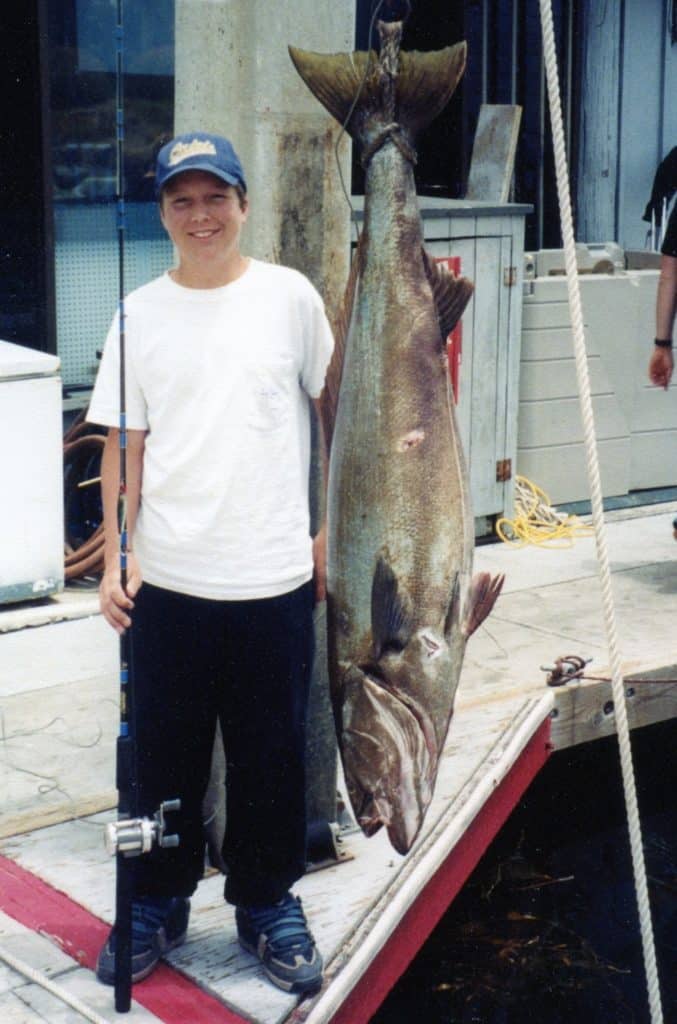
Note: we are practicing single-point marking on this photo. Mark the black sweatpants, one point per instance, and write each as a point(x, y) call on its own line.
point(249, 663)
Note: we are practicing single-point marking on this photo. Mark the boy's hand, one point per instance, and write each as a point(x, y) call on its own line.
point(320, 563)
point(115, 604)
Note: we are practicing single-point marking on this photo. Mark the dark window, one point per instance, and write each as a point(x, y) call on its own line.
point(505, 65)
point(82, 70)
point(26, 283)
point(82, 76)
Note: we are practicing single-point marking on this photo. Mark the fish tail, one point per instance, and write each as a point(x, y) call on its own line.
point(363, 90)
point(335, 79)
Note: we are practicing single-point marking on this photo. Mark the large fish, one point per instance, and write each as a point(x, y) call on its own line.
point(401, 603)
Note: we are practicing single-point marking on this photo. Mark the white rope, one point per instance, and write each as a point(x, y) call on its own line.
point(56, 990)
point(618, 689)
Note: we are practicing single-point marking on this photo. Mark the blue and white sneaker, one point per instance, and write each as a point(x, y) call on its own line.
point(279, 936)
point(158, 925)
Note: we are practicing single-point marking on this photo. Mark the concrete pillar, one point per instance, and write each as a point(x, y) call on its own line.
point(234, 76)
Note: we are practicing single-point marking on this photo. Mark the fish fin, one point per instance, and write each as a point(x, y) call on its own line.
point(340, 323)
point(426, 82)
point(335, 79)
point(484, 590)
point(391, 617)
point(454, 607)
point(352, 85)
point(451, 294)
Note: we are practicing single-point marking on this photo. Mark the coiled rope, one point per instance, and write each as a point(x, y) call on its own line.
point(536, 522)
point(618, 690)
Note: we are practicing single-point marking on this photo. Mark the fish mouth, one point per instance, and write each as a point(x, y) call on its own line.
point(375, 675)
point(390, 756)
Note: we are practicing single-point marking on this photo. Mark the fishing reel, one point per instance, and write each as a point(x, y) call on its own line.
point(134, 836)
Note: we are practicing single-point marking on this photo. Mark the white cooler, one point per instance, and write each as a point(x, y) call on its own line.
point(31, 474)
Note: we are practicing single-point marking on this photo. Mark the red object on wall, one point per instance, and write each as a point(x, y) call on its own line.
point(455, 339)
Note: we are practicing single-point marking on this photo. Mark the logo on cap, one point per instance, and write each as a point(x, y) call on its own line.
point(198, 147)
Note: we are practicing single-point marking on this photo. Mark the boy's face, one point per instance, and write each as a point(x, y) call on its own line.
point(203, 216)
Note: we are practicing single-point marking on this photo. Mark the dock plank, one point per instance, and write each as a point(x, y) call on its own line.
point(342, 902)
point(550, 607)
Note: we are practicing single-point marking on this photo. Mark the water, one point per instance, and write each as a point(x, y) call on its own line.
point(546, 929)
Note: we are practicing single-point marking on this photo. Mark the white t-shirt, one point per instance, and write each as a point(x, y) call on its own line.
point(220, 379)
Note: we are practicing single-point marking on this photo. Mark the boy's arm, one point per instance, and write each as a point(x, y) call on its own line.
point(320, 538)
point(115, 603)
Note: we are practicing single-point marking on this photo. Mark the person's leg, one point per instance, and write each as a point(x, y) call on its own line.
point(175, 645)
point(270, 648)
point(263, 716)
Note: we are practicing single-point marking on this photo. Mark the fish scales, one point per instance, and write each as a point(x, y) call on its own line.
point(400, 599)
point(376, 486)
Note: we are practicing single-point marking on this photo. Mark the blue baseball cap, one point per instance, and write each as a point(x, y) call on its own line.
point(199, 151)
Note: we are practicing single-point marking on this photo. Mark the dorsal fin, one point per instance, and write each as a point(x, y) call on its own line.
point(340, 326)
point(451, 294)
point(391, 616)
point(351, 86)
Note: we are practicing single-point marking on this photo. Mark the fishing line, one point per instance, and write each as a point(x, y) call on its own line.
point(120, 206)
point(125, 768)
point(351, 111)
point(129, 836)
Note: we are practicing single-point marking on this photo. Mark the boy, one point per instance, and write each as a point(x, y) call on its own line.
point(222, 355)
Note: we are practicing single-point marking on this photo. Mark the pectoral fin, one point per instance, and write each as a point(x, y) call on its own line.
point(453, 608)
point(391, 616)
point(484, 590)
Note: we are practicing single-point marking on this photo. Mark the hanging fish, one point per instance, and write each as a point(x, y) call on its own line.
point(401, 603)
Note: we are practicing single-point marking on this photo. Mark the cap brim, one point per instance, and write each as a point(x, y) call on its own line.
point(199, 165)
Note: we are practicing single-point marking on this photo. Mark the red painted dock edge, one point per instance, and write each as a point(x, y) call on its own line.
point(419, 921)
point(167, 994)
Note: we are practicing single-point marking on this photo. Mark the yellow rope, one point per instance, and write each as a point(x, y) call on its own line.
point(536, 522)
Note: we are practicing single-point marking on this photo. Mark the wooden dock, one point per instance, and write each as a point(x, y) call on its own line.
point(372, 912)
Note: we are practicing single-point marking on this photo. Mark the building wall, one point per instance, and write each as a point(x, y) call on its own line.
point(628, 115)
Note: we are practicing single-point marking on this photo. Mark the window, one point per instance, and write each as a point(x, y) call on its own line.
point(82, 63)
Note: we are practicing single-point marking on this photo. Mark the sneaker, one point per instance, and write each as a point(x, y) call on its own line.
point(158, 925)
point(279, 936)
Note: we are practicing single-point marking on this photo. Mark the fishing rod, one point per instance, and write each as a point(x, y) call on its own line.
point(130, 835)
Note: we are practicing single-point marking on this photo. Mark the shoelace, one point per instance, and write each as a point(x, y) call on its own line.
point(147, 918)
point(284, 924)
